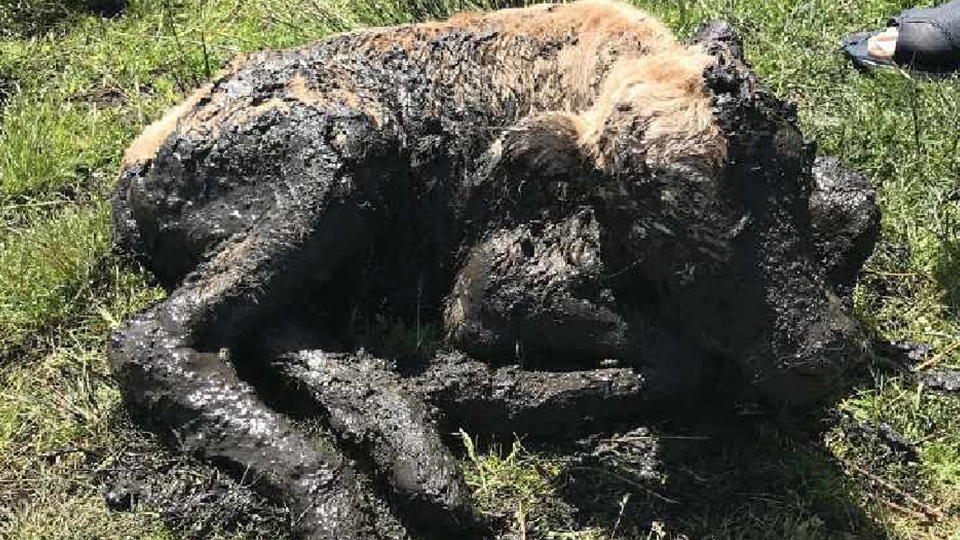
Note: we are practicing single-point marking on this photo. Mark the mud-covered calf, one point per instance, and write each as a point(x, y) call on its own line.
point(600, 221)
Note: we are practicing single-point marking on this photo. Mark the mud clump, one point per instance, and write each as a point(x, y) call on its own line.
point(603, 223)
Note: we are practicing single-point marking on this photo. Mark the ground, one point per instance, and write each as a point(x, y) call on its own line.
point(75, 91)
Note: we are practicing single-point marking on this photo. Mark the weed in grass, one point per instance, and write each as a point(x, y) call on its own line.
point(518, 487)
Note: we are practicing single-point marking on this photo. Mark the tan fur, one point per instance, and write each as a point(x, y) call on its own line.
point(603, 27)
point(656, 83)
point(244, 114)
point(145, 147)
point(603, 17)
point(204, 120)
point(628, 85)
point(663, 93)
point(299, 90)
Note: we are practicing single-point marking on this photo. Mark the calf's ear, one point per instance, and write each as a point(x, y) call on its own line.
point(546, 145)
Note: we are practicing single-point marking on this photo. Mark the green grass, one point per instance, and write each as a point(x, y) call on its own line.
point(46, 272)
point(75, 89)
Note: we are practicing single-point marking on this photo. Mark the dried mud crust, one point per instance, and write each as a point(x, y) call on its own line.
point(602, 222)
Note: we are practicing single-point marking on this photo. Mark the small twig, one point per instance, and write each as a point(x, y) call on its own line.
point(902, 509)
point(629, 481)
point(914, 109)
point(419, 297)
point(956, 138)
point(67, 450)
point(893, 274)
point(171, 20)
point(32, 205)
point(186, 39)
point(623, 270)
point(660, 437)
point(521, 521)
point(623, 506)
point(928, 510)
point(230, 13)
point(930, 437)
point(937, 357)
point(203, 44)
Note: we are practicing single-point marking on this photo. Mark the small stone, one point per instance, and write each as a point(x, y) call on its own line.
point(945, 380)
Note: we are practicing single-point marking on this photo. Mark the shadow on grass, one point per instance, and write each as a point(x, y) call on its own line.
point(27, 18)
point(733, 475)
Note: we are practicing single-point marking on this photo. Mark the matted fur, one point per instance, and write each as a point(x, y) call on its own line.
point(651, 94)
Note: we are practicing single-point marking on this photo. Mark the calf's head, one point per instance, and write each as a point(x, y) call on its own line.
point(711, 213)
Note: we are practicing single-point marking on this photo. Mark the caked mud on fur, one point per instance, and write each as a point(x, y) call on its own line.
point(594, 220)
